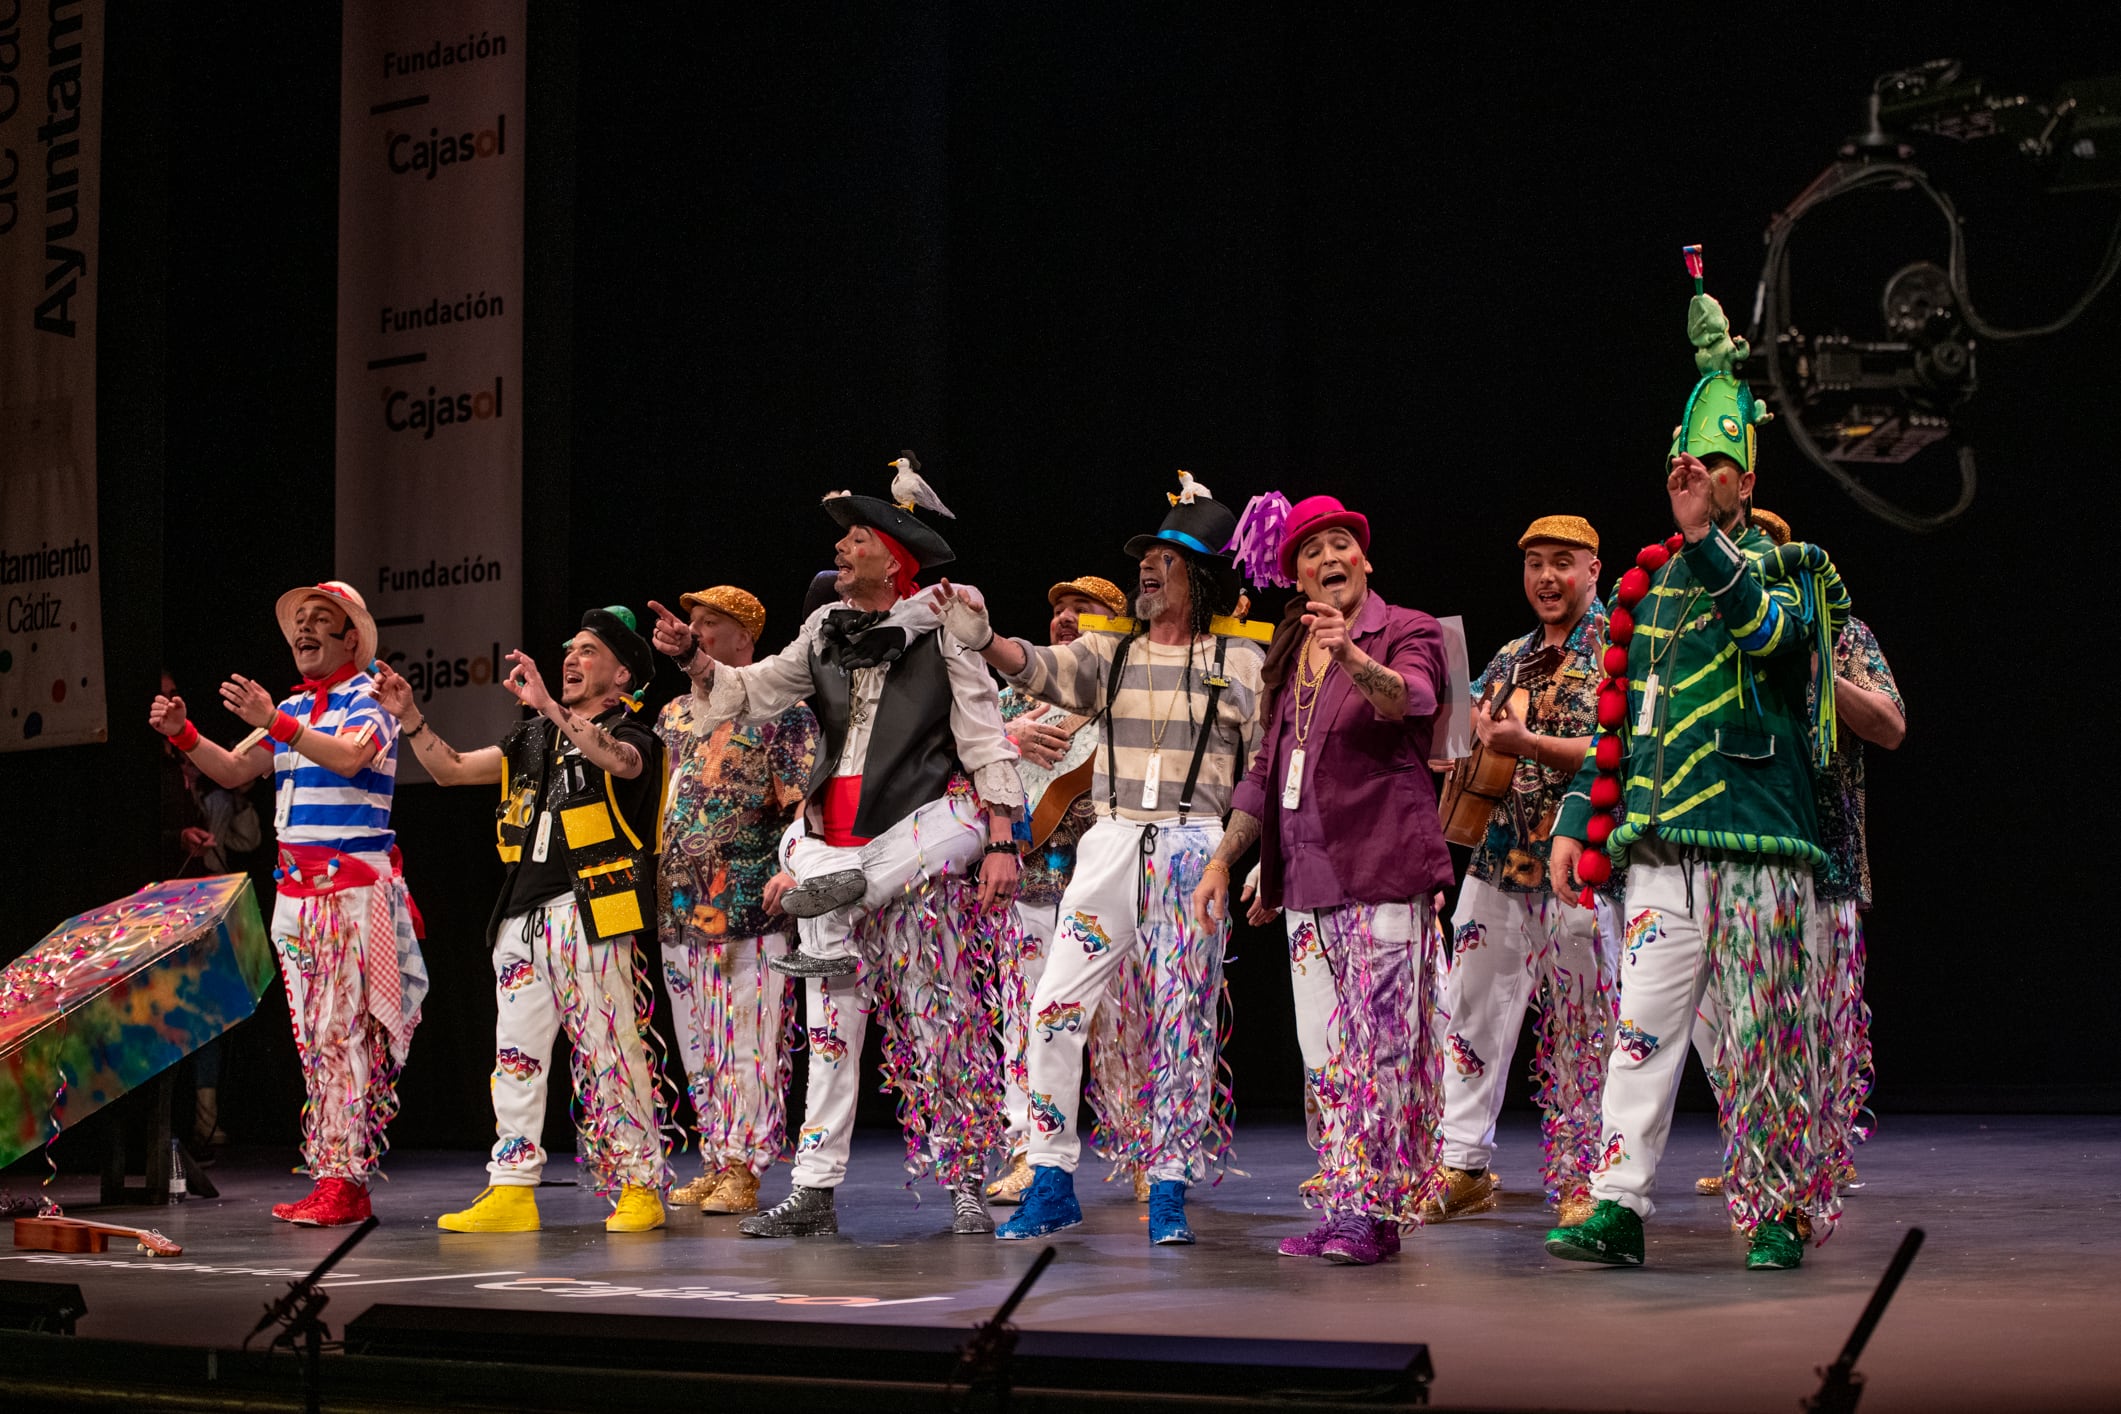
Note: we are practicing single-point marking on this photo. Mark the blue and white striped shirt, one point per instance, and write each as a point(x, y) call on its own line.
point(321, 807)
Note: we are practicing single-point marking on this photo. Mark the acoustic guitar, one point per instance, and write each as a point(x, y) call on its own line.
point(57, 1234)
point(1049, 791)
point(1478, 783)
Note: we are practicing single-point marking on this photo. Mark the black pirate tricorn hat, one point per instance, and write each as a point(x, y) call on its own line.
point(920, 539)
point(1199, 529)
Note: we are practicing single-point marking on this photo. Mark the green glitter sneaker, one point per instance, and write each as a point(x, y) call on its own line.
point(1611, 1235)
point(1776, 1245)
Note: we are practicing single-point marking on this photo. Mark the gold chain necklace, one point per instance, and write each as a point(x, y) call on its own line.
point(1158, 725)
point(1307, 710)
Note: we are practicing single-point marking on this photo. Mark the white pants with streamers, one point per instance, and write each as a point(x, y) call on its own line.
point(1513, 951)
point(909, 933)
point(548, 977)
point(729, 1008)
point(1018, 978)
point(1364, 979)
point(1127, 899)
point(1739, 941)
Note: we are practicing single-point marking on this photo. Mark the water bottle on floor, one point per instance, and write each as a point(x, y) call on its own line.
point(176, 1174)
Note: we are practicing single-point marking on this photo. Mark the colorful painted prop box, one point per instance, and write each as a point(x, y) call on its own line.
point(115, 996)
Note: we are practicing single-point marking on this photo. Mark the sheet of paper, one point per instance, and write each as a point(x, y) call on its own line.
point(1453, 737)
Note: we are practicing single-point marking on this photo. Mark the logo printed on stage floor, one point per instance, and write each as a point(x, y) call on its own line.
point(589, 1288)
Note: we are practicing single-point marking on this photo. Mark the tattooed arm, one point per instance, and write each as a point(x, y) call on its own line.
point(598, 746)
point(448, 766)
point(1238, 836)
point(1382, 688)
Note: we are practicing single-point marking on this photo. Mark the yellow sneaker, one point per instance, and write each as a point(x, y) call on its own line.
point(1462, 1195)
point(738, 1192)
point(697, 1191)
point(639, 1210)
point(1008, 1190)
point(496, 1210)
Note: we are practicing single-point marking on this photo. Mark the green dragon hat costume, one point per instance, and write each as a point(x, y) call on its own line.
point(1722, 415)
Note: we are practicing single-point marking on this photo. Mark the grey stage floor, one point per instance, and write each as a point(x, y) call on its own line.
point(2013, 1303)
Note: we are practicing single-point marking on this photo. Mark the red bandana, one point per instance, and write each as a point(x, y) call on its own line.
point(321, 687)
point(908, 566)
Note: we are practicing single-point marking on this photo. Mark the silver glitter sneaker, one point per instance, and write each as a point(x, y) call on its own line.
point(968, 1214)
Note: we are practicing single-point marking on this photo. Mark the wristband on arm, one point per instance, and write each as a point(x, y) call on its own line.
point(283, 728)
point(187, 738)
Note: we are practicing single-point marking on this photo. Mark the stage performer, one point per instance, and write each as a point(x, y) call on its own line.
point(1515, 944)
point(1178, 706)
point(1712, 720)
point(1118, 1059)
point(342, 921)
point(580, 784)
point(732, 790)
point(1868, 707)
point(1343, 807)
point(915, 791)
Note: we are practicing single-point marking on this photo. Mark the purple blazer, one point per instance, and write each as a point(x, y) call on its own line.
point(1369, 778)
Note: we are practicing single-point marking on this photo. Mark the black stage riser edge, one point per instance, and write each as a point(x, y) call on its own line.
point(1078, 1360)
point(53, 1372)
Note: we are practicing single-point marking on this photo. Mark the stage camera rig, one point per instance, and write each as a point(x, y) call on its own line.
point(1863, 403)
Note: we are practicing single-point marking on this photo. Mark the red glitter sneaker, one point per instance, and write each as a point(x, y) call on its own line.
point(334, 1202)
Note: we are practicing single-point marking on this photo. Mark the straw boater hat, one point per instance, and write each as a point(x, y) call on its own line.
point(339, 594)
point(730, 602)
point(1561, 530)
point(1104, 591)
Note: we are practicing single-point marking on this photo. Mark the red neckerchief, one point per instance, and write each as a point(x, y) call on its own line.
point(322, 688)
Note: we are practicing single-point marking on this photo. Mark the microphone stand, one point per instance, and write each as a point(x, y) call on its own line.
point(1840, 1386)
point(301, 1311)
point(983, 1361)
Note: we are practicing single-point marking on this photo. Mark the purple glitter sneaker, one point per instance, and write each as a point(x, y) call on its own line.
point(1358, 1241)
point(1307, 1244)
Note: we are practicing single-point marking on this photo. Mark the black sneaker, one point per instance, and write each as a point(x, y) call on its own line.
point(967, 1213)
point(814, 898)
point(805, 1212)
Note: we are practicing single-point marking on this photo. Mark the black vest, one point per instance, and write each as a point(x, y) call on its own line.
point(912, 752)
point(610, 858)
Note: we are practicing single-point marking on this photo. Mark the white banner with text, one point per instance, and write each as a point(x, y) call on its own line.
point(430, 444)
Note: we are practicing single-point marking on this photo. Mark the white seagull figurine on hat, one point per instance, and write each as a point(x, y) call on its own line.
point(909, 490)
point(1188, 488)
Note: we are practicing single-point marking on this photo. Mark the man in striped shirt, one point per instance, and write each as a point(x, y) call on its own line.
point(1179, 704)
point(342, 922)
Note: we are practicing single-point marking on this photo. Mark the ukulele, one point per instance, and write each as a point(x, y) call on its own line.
point(57, 1234)
point(1479, 782)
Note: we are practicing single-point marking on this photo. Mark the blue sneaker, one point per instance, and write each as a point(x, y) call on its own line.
point(1167, 1213)
point(1048, 1206)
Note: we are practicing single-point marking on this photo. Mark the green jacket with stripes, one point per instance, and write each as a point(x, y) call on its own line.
point(1735, 634)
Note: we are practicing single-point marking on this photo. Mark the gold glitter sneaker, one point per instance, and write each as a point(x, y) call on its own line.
point(1576, 1204)
point(738, 1192)
point(1141, 1185)
point(1463, 1194)
point(1008, 1190)
point(1710, 1187)
point(695, 1192)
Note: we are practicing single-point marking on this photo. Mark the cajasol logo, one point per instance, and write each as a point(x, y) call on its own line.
point(409, 154)
point(428, 413)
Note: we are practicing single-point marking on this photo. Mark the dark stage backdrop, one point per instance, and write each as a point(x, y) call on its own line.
point(1062, 251)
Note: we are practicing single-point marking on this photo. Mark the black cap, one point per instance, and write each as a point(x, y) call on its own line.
point(615, 627)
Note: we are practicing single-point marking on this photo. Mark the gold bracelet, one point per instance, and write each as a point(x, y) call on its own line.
point(1216, 864)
